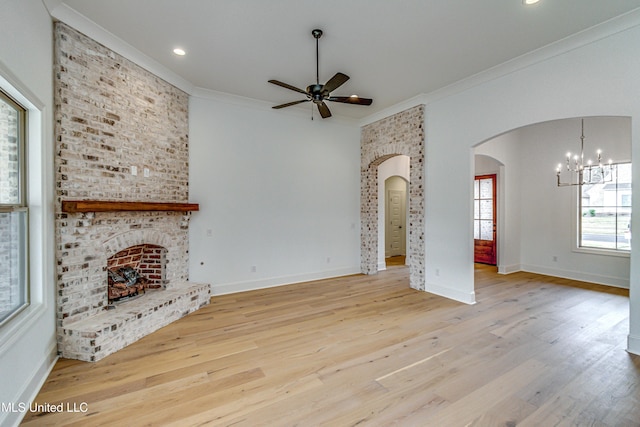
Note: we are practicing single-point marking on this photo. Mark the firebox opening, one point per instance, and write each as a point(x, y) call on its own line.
point(134, 270)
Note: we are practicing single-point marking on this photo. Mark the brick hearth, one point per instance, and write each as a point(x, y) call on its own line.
point(95, 337)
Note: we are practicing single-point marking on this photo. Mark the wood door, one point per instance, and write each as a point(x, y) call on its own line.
point(396, 223)
point(484, 219)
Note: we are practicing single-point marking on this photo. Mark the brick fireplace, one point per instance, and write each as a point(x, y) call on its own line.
point(113, 119)
point(95, 331)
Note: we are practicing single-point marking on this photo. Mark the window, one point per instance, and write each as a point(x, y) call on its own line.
point(14, 294)
point(605, 211)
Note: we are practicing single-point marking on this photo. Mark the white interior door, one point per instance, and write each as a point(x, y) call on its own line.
point(396, 223)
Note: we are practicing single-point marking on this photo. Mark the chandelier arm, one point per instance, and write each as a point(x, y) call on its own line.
point(595, 174)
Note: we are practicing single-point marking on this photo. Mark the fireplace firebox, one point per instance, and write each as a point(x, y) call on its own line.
point(134, 270)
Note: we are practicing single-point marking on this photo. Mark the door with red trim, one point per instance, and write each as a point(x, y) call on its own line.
point(484, 219)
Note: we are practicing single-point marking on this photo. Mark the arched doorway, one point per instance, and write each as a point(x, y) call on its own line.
point(393, 177)
point(400, 134)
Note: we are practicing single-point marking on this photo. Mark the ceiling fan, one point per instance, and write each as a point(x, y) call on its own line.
point(318, 93)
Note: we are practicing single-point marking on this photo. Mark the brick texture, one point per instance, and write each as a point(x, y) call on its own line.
point(111, 116)
point(148, 260)
point(400, 134)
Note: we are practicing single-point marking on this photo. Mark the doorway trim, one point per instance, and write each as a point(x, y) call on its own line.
point(400, 134)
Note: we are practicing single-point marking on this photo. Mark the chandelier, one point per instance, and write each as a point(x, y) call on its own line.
point(581, 173)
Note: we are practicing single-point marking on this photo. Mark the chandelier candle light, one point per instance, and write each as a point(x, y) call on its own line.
point(584, 174)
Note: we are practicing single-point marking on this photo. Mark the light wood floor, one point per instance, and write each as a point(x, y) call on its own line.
point(395, 261)
point(369, 351)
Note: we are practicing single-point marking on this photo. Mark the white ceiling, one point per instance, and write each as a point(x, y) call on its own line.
point(392, 50)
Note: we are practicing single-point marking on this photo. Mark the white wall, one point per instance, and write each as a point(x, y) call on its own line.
point(27, 342)
point(278, 191)
point(395, 166)
point(485, 165)
point(597, 79)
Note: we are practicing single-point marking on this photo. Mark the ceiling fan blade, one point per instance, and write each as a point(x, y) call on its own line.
point(289, 104)
point(287, 86)
point(324, 110)
point(335, 82)
point(351, 100)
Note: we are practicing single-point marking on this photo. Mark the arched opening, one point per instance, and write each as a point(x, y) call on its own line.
point(393, 230)
point(400, 134)
point(540, 224)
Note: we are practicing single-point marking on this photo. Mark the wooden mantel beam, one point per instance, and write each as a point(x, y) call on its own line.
point(75, 206)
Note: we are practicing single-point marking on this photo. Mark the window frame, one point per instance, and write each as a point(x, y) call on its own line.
point(577, 227)
point(22, 204)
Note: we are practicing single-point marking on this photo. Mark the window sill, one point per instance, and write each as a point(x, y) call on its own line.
point(605, 252)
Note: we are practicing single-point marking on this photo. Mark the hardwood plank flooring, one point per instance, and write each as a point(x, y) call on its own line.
point(369, 351)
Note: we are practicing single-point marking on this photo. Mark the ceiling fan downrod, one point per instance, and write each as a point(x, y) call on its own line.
point(317, 34)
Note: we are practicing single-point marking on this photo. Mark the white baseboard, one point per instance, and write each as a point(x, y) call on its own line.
point(454, 294)
point(231, 288)
point(508, 269)
point(633, 344)
point(618, 282)
point(32, 387)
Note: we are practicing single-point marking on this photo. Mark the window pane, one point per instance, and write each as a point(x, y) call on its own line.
point(599, 231)
point(476, 209)
point(13, 215)
point(9, 154)
point(13, 294)
point(476, 230)
point(486, 209)
point(486, 188)
point(606, 211)
point(623, 173)
point(486, 230)
point(624, 229)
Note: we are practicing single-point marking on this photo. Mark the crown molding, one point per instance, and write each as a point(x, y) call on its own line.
point(253, 103)
point(62, 12)
point(583, 38)
point(575, 41)
point(420, 99)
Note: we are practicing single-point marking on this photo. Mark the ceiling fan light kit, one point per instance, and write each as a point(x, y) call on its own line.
point(318, 93)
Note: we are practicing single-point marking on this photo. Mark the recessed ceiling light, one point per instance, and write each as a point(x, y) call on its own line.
point(179, 52)
point(529, 2)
